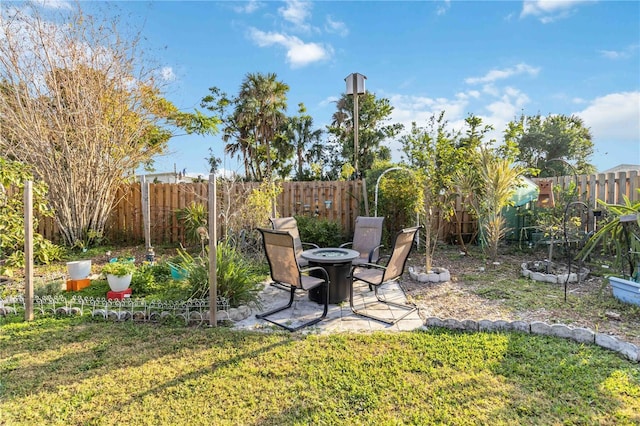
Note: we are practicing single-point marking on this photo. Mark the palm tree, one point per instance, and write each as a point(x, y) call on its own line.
point(300, 132)
point(259, 113)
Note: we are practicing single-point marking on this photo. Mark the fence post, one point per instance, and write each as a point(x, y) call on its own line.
point(213, 258)
point(28, 250)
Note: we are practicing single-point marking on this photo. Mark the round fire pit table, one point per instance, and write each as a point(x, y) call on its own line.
point(337, 263)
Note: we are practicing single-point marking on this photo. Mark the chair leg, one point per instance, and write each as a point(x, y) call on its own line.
point(408, 308)
point(288, 305)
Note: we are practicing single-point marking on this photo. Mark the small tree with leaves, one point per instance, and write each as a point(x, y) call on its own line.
point(79, 105)
point(432, 152)
point(13, 175)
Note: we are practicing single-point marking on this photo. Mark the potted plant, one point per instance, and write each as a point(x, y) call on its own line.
point(119, 274)
point(621, 237)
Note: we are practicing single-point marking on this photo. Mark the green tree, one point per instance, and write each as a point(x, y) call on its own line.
point(305, 140)
point(434, 153)
point(254, 124)
point(373, 115)
point(13, 175)
point(541, 141)
point(77, 105)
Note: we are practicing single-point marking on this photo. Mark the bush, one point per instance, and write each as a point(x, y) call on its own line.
point(193, 217)
point(323, 232)
point(238, 280)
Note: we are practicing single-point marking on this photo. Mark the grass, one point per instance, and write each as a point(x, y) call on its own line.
point(521, 294)
point(81, 371)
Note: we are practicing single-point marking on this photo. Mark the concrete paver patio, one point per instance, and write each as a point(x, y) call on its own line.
point(339, 318)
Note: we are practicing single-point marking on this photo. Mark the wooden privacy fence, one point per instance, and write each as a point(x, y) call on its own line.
point(336, 201)
point(609, 188)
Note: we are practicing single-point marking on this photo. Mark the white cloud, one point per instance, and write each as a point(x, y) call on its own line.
point(336, 27)
point(495, 106)
point(443, 8)
point(614, 117)
point(167, 74)
point(249, 7)
point(299, 53)
point(296, 12)
point(548, 11)
point(626, 53)
point(496, 74)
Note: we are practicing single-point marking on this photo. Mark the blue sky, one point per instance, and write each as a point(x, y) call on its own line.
point(493, 59)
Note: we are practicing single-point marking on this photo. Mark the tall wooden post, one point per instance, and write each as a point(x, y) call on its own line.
point(146, 212)
point(213, 258)
point(28, 250)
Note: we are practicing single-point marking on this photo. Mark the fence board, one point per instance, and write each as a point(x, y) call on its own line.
point(297, 198)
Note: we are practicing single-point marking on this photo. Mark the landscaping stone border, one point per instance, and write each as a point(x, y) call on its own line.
point(571, 277)
point(579, 334)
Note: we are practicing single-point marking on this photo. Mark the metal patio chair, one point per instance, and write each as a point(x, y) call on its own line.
point(290, 224)
point(376, 275)
point(366, 239)
point(279, 247)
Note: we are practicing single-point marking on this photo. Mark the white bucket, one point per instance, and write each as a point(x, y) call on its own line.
point(79, 270)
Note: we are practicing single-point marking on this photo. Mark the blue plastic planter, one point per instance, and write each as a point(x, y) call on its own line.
point(625, 290)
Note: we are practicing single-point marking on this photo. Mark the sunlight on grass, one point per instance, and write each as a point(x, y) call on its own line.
point(62, 371)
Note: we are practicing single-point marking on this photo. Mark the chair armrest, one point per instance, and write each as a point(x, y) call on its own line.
point(372, 252)
point(316, 268)
point(381, 258)
point(350, 243)
point(369, 265)
point(311, 245)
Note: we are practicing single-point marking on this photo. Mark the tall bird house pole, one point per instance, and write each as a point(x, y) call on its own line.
point(355, 87)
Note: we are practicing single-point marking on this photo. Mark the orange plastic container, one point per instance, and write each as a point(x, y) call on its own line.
point(77, 285)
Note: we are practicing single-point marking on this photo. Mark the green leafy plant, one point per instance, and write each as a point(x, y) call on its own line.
point(13, 174)
point(619, 237)
point(237, 280)
point(149, 279)
point(323, 232)
point(119, 268)
point(193, 218)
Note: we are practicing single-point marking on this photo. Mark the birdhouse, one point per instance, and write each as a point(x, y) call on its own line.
point(545, 197)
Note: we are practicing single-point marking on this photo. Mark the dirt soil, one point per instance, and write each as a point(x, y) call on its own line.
point(459, 298)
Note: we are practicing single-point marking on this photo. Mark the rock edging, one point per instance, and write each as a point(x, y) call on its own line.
point(579, 334)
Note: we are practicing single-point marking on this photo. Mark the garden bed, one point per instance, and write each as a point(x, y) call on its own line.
point(483, 290)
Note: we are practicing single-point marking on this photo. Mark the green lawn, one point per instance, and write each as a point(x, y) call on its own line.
point(81, 371)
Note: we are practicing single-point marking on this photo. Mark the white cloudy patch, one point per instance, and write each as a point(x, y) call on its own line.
point(496, 106)
point(296, 12)
point(335, 27)
point(249, 7)
point(418, 109)
point(625, 53)
point(443, 7)
point(501, 74)
point(167, 74)
point(548, 11)
point(299, 53)
point(614, 117)
point(506, 108)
